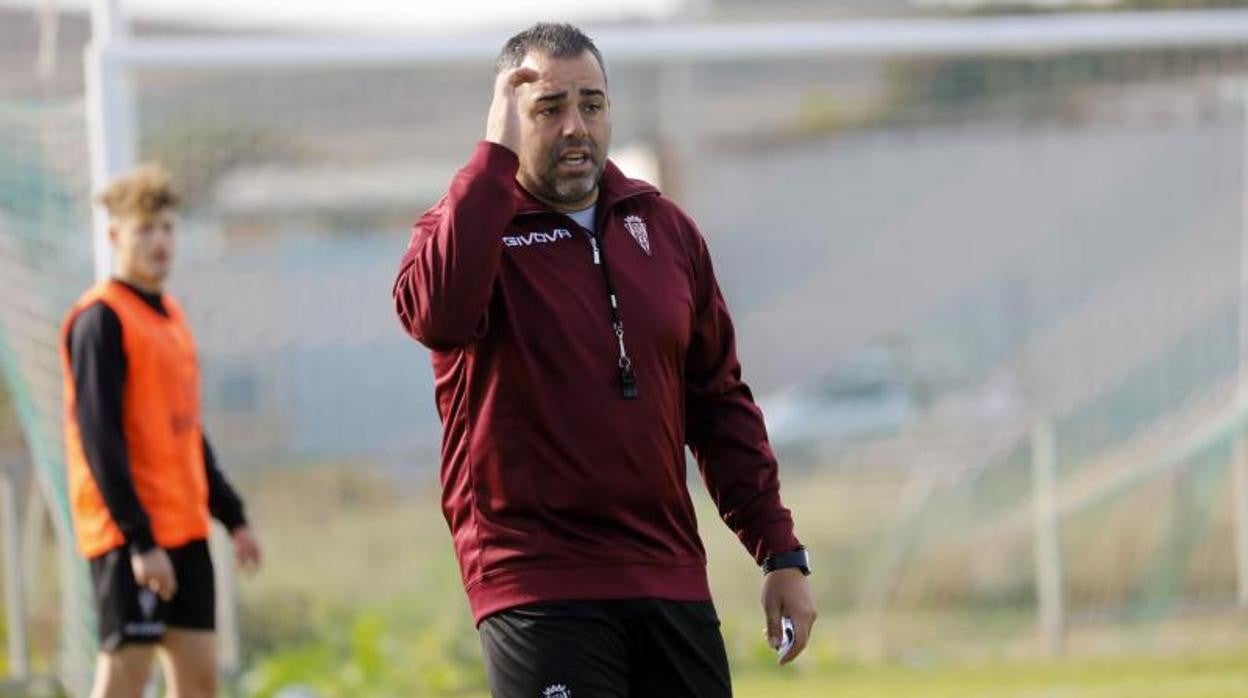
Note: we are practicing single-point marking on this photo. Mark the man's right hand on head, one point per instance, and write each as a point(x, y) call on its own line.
point(153, 570)
point(503, 125)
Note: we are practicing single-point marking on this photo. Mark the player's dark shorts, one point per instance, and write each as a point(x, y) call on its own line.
point(128, 614)
point(636, 648)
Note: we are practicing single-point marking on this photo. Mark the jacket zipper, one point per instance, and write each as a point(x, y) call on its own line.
point(593, 242)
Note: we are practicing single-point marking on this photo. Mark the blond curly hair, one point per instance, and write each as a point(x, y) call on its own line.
point(140, 193)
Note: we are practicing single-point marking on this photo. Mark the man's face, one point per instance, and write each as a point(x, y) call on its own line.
point(143, 246)
point(565, 130)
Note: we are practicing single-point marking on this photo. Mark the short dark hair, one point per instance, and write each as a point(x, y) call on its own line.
point(557, 40)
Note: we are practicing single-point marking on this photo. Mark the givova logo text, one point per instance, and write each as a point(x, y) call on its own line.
point(537, 238)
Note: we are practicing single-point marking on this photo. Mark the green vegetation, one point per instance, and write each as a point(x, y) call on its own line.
point(1206, 677)
point(361, 597)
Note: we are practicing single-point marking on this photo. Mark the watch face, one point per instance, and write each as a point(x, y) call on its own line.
point(802, 561)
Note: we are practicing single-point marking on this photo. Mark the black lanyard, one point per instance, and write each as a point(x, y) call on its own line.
point(627, 377)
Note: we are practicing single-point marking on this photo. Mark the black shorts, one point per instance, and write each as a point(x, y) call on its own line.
point(636, 648)
point(128, 614)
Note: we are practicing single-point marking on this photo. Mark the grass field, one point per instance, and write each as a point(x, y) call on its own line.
point(1224, 676)
point(361, 597)
point(1201, 677)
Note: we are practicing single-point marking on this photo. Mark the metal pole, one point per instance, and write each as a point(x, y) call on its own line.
point(731, 42)
point(676, 143)
point(230, 662)
point(1239, 487)
point(14, 591)
point(1048, 551)
point(1239, 451)
point(110, 117)
point(32, 532)
point(111, 147)
point(49, 31)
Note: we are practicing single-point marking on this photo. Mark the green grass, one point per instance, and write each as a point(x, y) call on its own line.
point(1199, 677)
point(361, 597)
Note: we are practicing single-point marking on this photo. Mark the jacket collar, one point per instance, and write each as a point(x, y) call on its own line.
point(613, 188)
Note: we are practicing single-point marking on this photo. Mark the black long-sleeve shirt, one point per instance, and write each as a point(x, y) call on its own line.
point(98, 362)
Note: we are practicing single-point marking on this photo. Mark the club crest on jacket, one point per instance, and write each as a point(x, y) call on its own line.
point(637, 228)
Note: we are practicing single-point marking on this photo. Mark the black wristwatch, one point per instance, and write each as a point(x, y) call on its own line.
point(795, 558)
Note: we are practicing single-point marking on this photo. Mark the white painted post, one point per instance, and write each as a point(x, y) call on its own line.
point(1239, 450)
point(1239, 486)
point(230, 655)
point(49, 31)
point(1048, 551)
point(110, 140)
point(33, 528)
point(14, 590)
point(110, 117)
point(726, 41)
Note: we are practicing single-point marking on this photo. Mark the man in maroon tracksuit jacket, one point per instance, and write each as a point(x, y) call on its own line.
point(579, 342)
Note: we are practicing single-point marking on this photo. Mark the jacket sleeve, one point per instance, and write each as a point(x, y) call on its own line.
point(447, 274)
point(724, 428)
point(223, 500)
point(98, 363)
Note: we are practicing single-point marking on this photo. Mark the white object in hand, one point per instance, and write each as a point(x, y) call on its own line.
point(788, 635)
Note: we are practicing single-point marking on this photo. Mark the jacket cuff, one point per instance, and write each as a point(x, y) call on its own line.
point(778, 538)
point(233, 521)
point(495, 161)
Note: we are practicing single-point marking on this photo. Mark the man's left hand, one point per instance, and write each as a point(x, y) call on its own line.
point(246, 549)
point(786, 592)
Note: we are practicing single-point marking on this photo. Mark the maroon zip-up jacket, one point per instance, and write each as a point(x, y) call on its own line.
point(556, 485)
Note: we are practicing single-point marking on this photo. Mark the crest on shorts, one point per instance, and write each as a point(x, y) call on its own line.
point(147, 603)
point(557, 691)
point(637, 228)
